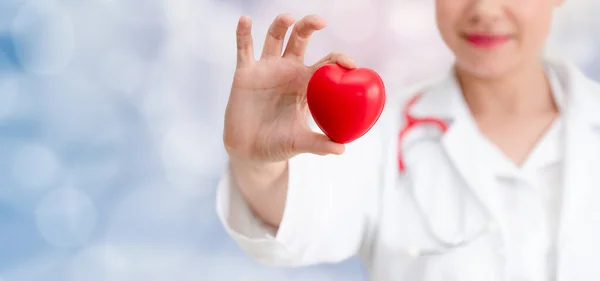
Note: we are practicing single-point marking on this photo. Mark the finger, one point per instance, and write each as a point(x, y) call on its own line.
point(245, 48)
point(300, 36)
point(335, 57)
point(318, 144)
point(276, 35)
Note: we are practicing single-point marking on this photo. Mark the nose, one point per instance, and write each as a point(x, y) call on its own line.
point(486, 11)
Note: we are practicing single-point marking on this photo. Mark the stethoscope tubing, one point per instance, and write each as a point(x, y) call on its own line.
point(411, 122)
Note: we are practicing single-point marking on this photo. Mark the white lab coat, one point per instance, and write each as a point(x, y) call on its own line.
point(438, 221)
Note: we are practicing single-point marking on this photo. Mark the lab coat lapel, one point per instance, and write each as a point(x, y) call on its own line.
point(470, 163)
point(579, 234)
point(467, 161)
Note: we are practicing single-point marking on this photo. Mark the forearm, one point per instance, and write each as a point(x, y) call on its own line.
point(263, 186)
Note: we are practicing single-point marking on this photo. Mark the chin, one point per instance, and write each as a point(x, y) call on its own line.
point(486, 67)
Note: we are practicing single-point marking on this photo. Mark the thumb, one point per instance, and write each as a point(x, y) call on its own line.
point(318, 144)
point(335, 57)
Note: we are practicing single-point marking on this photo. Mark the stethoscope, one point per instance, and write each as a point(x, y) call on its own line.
point(411, 122)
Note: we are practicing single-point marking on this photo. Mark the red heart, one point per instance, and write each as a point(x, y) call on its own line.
point(345, 103)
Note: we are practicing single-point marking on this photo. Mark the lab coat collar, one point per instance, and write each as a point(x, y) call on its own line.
point(442, 99)
point(573, 92)
point(581, 94)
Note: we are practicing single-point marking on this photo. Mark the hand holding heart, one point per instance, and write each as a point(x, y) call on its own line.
point(266, 118)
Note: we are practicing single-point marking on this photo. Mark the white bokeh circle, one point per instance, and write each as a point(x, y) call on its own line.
point(92, 264)
point(271, 8)
point(150, 215)
point(9, 97)
point(137, 12)
point(43, 33)
point(190, 154)
point(395, 73)
point(95, 177)
point(205, 29)
point(136, 263)
point(353, 20)
point(123, 71)
point(217, 267)
point(77, 109)
point(315, 275)
point(413, 19)
point(157, 103)
point(36, 166)
point(66, 217)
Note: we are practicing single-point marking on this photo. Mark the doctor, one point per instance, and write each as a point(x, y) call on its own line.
point(510, 190)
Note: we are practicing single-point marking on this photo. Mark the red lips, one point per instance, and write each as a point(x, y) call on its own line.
point(487, 40)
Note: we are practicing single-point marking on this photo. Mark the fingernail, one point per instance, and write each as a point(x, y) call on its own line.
point(351, 63)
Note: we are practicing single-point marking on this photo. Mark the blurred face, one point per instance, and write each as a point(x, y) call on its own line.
point(493, 37)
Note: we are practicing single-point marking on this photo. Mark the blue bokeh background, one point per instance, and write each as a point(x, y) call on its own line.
point(111, 117)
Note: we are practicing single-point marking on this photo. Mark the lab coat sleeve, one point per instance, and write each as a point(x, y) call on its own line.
point(327, 214)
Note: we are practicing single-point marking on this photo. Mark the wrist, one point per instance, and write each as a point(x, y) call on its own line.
point(257, 173)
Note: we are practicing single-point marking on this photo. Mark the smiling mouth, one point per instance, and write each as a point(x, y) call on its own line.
point(486, 41)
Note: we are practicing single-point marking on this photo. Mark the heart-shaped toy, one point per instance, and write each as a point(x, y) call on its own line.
point(345, 103)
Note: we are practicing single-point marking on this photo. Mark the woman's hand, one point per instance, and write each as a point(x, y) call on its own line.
point(266, 119)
